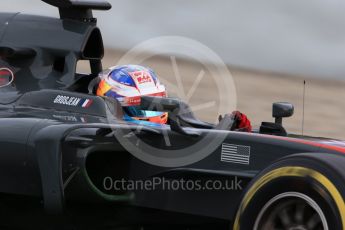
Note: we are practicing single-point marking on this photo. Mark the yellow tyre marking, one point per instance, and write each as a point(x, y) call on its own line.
point(292, 172)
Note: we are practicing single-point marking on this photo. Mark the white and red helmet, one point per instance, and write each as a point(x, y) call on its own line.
point(127, 84)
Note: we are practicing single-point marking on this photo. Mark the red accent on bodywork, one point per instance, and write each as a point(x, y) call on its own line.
point(311, 143)
point(4, 72)
point(6, 77)
point(89, 104)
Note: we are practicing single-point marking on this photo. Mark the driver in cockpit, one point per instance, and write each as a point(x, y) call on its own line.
point(128, 83)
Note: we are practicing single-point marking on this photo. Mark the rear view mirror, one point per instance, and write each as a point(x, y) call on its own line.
point(282, 109)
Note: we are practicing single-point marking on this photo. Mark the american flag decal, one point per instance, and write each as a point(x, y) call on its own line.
point(238, 154)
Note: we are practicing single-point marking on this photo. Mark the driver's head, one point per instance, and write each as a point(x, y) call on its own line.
point(127, 84)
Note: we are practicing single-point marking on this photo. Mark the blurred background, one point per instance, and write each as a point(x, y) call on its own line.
point(270, 47)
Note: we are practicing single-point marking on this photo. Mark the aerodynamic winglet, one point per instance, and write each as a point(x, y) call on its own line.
point(79, 9)
point(81, 4)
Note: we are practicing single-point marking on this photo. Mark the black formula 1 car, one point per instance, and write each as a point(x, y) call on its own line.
point(70, 161)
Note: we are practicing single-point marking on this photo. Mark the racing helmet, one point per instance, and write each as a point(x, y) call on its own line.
point(127, 84)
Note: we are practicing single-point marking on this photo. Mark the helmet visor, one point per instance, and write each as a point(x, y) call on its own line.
point(135, 111)
point(152, 116)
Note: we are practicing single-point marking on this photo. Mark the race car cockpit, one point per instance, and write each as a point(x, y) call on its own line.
point(38, 62)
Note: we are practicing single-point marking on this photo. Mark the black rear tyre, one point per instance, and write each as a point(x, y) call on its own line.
point(300, 192)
